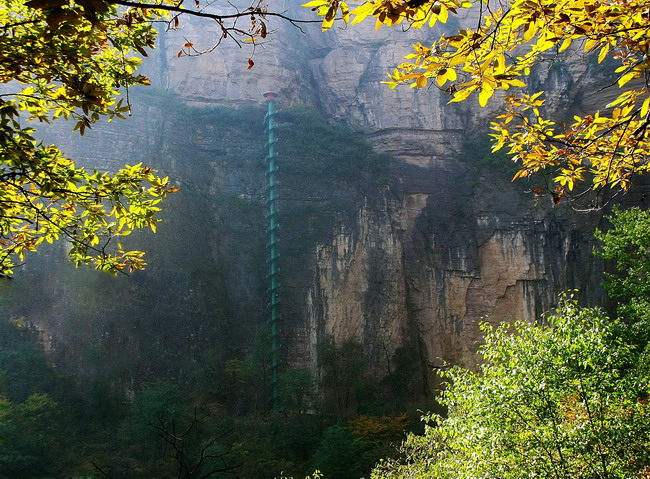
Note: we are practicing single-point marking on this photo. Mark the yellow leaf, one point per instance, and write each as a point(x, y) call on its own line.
point(361, 12)
point(461, 95)
point(500, 64)
point(315, 3)
point(603, 53)
point(517, 83)
point(565, 44)
point(457, 60)
point(590, 43)
point(486, 93)
point(443, 16)
point(489, 79)
point(327, 24)
point(619, 99)
point(626, 78)
point(544, 44)
point(345, 12)
point(530, 31)
point(433, 20)
point(645, 106)
point(421, 82)
point(518, 174)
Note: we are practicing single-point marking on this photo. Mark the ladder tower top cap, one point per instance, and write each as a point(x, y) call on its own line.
point(270, 95)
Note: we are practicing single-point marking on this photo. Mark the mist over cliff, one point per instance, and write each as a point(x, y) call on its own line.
point(400, 230)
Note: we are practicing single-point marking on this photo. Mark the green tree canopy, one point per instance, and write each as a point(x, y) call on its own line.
point(627, 245)
point(71, 59)
point(33, 435)
point(565, 400)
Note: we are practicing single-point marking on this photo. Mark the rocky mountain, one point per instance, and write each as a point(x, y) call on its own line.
point(405, 247)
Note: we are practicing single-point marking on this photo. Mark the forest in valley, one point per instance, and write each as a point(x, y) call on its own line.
point(451, 306)
point(216, 422)
point(574, 384)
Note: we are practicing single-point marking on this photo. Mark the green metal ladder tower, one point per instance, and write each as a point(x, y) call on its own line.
point(272, 230)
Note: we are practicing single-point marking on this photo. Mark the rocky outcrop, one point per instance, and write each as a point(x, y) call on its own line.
point(435, 257)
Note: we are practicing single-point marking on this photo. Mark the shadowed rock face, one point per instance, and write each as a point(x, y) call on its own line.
point(415, 255)
point(439, 251)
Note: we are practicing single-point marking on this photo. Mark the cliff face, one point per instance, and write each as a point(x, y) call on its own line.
point(447, 243)
point(439, 252)
point(415, 256)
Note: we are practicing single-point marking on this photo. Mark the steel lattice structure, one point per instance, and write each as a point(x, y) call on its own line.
point(272, 230)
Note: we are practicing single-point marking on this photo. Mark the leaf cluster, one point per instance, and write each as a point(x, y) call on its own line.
point(566, 401)
point(32, 436)
point(69, 60)
point(602, 149)
point(626, 244)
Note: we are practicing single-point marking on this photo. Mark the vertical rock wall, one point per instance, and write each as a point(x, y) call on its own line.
point(434, 256)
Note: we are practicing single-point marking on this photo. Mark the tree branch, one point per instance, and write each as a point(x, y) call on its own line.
point(178, 8)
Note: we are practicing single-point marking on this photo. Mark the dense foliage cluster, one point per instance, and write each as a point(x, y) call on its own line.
point(208, 425)
point(626, 245)
point(499, 50)
point(68, 59)
point(565, 400)
point(64, 60)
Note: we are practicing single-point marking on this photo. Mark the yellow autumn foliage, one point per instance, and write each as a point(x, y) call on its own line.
point(378, 428)
point(597, 151)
